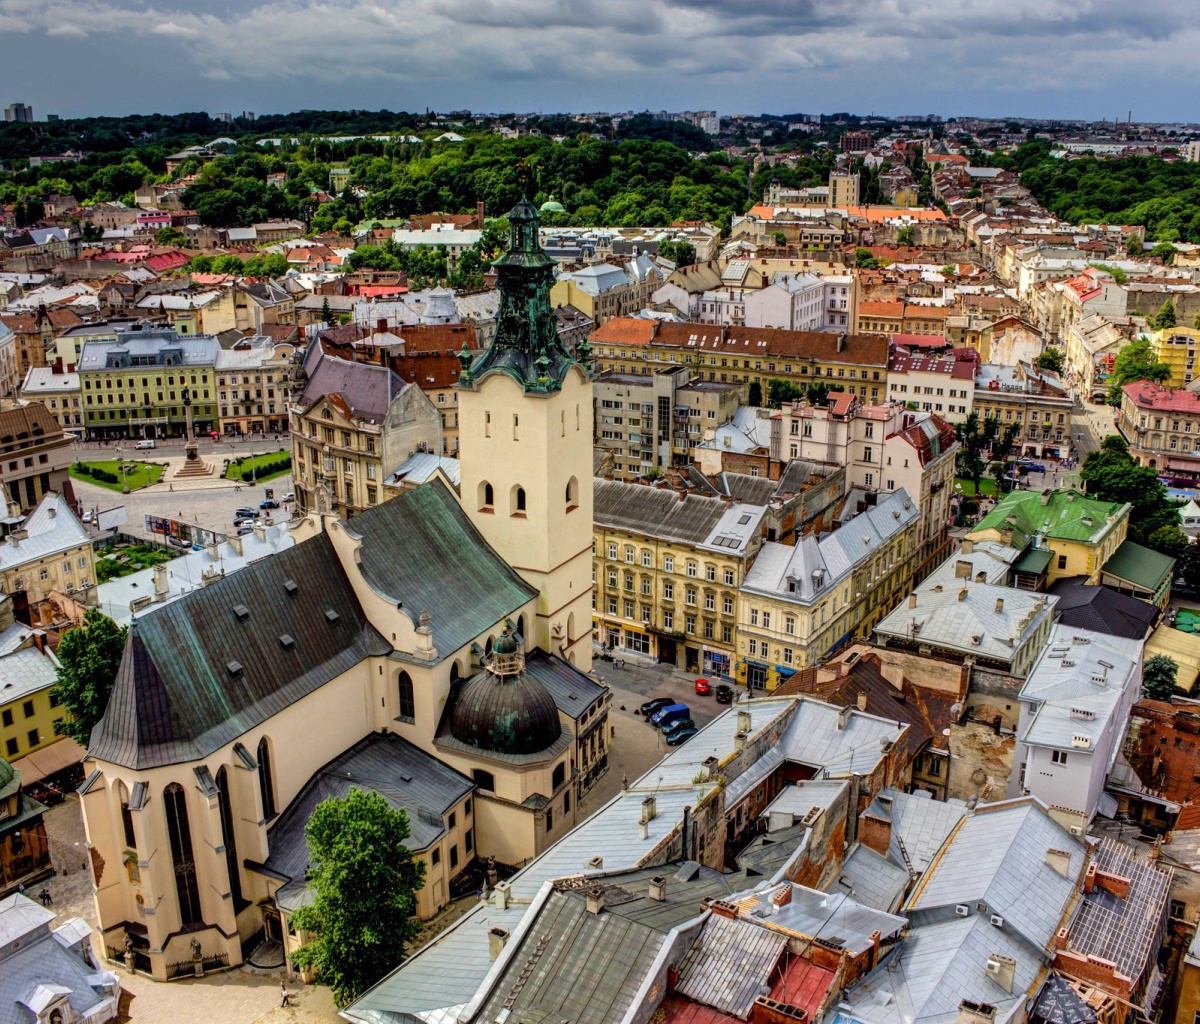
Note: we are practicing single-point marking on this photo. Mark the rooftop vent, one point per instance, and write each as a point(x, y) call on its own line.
point(292, 587)
point(286, 641)
point(242, 612)
point(331, 616)
point(595, 863)
point(658, 888)
point(234, 668)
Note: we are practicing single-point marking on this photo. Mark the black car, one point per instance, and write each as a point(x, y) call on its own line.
point(671, 728)
point(269, 503)
point(657, 704)
point(724, 694)
point(681, 736)
point(245, 513)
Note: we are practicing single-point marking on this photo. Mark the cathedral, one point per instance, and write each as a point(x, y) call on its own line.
point(433, 649)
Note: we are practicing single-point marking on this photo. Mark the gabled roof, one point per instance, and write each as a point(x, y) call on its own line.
point(201, 671)
point(1102, 609)
point(1141, 566)
point(408, 543)
point(1057, 514)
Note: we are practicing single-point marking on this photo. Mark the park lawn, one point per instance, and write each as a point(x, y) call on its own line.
point(137, 474)
point(987, 486)
point(242, 470)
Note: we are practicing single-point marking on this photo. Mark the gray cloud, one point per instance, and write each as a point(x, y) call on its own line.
point(1070, 58)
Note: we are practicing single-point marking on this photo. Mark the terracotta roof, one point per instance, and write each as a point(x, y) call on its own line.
point(33, 420)
point(748, 341)
point(920, 340)
point(930, 438)
point(1145, 394)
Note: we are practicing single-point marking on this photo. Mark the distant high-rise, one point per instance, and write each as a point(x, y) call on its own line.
point(18, 112)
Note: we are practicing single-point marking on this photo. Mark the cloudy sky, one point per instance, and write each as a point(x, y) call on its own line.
point(1048, 58)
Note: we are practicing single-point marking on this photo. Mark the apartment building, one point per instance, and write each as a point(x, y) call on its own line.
point(47, 553)
point(59, 393)
point(1176, 347)
point(8, 359)
point(941, 383)
point(791, 302)
point(653, 420)
point(34, 331)
point(799, 604)
point(1162, 426)
point(252, 386)
point(352, 425)
point(1033, 399)
point(603, 291)
point(35, 453)
point(666, 570)
point(1091, 346)
point(900, 317)
point(854, 363)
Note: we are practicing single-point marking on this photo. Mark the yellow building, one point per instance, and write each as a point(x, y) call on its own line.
point(854, 363)
point(29, 706)
point(666, 573)
point(1176, 346)
point(1067, 534)
point(799, 605)
point(1187, 1010)
point(48, 554)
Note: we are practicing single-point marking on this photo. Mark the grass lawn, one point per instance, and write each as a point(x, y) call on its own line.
point(987, 486)
point(137, 474)
point(240, 469)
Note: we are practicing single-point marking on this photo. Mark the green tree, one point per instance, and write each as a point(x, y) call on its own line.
point(1158, 677)
point(1169, 540)
point(1051, 359)
point(682, 253)
point(864, 260)
point(1135, 362)
point(780, 391)
point(1133, 247)
point(1165, 317)
point(228, 264)
point(974, 437)
point(88, 659)
point(1196, 322)
point(1111, 474)
point(90, 232)
point(780, 240)
point(754, 399)
point(326, 312)
point(200, 264)
point(907, 235)
point(169, 236)
point(1164, 251)
point(364, 883)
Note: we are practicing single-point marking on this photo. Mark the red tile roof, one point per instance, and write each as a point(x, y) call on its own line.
point(1145, 394)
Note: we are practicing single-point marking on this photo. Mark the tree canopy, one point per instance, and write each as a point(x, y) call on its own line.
point(365, 883)
point(1111, 474)
point(1135, 361)
point(88, 659)
point(1158, 677)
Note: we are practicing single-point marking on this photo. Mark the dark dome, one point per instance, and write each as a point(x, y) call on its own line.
point(506, 643)
point(513, 715)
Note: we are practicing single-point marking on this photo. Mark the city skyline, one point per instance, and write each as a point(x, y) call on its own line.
point(1043, 60)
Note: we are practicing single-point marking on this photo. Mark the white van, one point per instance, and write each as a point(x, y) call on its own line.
point(146, 443)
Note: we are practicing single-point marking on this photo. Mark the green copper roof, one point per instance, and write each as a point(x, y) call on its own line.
point(1140, 566)
point(9, 779)
point(526, 344)
point(1060, 515)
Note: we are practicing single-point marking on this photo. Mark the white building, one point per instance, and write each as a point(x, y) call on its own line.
point(454, 238)
point(1074, 713)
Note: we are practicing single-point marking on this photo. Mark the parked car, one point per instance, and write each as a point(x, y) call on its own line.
point(702, 688)
point(669, 714)
point(656, 704)
point(681, 736)
point(268, 504)
point(243, 512)
point(89, 515)
point(289, 497)
point(724, 694)
point(1031, 467)
point(144, 444)
point(672, 728)
point(244, 529)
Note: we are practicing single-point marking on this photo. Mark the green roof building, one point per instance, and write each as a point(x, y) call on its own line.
point(1081, 533)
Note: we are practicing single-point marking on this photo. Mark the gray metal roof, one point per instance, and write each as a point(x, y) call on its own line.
point(871, 880)
point(52, 529)
point(25, 672)
point(833, 916)
point(194, 349)
point(367, 389)
point(198, 674)
point(918, 821)
point(404, 775)
point(419, 548)
point(729, 964)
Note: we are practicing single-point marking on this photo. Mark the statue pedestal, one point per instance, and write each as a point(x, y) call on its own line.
point(193, 465)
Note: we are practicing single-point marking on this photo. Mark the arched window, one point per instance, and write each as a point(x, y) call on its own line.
point(560, 775)
point(179, 833)
point(266, 784)
point(487, 648)
point(487, 496)
point(570, 627)
point(484, 780)
point(455, 671)
point(126, 816)
point(408, 701)
point(518, 500)
point(521, 626)
point(572, 494)
point(228, 839)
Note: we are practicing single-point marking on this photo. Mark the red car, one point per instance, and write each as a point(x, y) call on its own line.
point(702, 687)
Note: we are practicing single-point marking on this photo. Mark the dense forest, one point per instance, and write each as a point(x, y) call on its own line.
point(1160, 194)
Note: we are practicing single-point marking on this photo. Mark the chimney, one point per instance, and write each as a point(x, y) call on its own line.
point(968, 546)
point(843, 717)
point(1059, 861)
point(595, 900)
point(595, 863)
point(912, 600)
point(658, 888)
point(962, 569)
point(962, 594)
point(500, 896)
point(52, 512)
point(743, 721)
point(1002, 970)
point(497, 938)
point(160, 582)
point(381, 325)
point(479, 212)
point(782, 896)
point(862, 701)
point(649, 808)
point(975, 1013)
point(999, 605)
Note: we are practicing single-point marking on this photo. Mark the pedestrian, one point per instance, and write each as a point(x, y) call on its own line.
point(285, 994)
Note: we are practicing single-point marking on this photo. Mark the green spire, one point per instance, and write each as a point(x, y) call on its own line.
point(526, 344)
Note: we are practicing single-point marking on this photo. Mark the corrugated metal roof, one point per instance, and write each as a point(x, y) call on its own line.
point(729, 963)
point(408, 545)
point(873, 881)
point(176, 697)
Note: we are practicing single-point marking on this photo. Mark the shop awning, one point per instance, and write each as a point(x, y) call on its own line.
point(45, 762)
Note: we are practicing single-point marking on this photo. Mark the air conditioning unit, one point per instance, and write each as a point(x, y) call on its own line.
point(962, 910)
point(1076, 830)
point(994, 967)
point(997, 920)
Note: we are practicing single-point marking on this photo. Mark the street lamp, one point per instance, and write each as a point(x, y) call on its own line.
point(121, 467)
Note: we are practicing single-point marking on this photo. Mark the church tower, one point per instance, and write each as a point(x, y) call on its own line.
point(525, 446)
